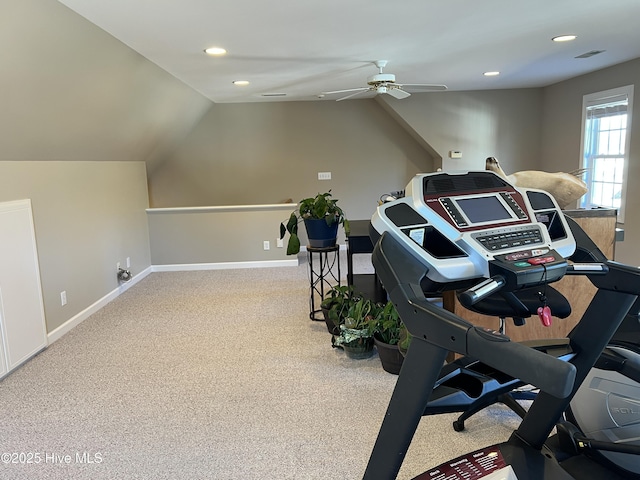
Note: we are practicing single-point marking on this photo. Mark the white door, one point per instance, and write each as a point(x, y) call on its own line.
point(21, 307)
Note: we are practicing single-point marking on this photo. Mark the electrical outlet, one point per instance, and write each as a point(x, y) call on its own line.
point(63, 298)
point(324, 175)
point(117, 266)
point(266, 245)
point(128, 262)
point(280, 242)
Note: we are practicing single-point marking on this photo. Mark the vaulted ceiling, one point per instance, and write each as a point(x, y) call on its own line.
point(297, 49)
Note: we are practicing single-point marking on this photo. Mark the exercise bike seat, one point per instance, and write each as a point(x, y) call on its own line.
point(522, 304)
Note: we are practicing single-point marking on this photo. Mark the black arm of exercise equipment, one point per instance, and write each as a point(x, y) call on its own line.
point(614, 299)
point(461, 394)
point(435, 332)
point(451, 333)
point(588, 261)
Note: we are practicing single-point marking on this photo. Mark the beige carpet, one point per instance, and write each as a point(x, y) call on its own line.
point(210, 375)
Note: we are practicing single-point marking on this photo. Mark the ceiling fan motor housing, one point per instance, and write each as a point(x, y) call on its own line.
point(381, 78)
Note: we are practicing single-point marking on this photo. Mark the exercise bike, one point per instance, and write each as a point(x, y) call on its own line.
point(476, 233)
point(606, 407)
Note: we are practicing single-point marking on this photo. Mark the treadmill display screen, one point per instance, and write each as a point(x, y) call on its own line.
point(483, 209)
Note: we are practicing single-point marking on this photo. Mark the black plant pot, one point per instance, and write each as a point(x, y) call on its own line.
point(331, 327)
point(320, 234)
point(390, 356)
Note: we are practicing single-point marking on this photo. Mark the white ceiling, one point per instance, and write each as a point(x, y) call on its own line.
point(305, 47)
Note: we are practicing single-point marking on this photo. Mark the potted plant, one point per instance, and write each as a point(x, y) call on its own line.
point(336, 304)
point(321, 216)
point(388, 333)
point(356, 334)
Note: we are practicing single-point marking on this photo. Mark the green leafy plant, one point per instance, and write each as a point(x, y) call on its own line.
point(387, 324)
point(360, 314)
point(322, 206)
point(338, 301)
point(391, 337)
point(356, 329)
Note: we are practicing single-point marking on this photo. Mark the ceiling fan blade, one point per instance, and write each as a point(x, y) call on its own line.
point(361, 89)
point(424, 86)
point(398, 93)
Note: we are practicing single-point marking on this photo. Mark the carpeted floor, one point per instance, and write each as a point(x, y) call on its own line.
point(210, 375)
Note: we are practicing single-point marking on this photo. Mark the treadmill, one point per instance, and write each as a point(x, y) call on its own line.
point(475, 233)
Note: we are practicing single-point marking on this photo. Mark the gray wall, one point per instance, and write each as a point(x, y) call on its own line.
point(70, 91)
point(267, 153)
point(80, 115)
point(246, 154)
point(561, 130)
point(88, 216)
point(218, 237)
point(500, 123)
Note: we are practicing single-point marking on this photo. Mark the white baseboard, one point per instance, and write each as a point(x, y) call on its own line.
point(76, 320)
point(224, 265)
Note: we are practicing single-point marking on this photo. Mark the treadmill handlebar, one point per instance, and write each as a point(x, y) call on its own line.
point(491, 285)
point(400, 273)
point(482, 290)
point(448, 331)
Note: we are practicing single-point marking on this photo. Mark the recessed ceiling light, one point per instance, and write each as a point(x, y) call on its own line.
point(241, 83)
point(215, 51)
point(491, 74)
point(564, 38)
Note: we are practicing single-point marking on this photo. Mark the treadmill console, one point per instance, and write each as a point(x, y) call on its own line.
point(468, 225)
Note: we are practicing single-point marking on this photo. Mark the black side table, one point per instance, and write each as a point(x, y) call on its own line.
point(358, 241)
point(322, 274)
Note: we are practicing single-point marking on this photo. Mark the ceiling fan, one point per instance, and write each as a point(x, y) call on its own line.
point(386, 83)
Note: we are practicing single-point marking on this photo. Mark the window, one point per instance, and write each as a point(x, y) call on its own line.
point(605, 146)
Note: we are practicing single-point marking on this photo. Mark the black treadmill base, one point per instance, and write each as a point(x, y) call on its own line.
point(527, 463)
point(583, 467)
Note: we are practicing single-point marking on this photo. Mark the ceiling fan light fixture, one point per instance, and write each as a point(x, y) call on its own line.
point(384, 83)
point(564, 38)
point(215, 51)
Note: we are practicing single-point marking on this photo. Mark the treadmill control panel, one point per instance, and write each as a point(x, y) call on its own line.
point(509, 238)
point(457, 224)
point(482, 209)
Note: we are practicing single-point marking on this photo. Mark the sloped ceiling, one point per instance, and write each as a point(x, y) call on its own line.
point(299, 49)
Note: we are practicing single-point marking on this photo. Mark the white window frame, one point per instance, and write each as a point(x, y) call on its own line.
point(601, 98)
